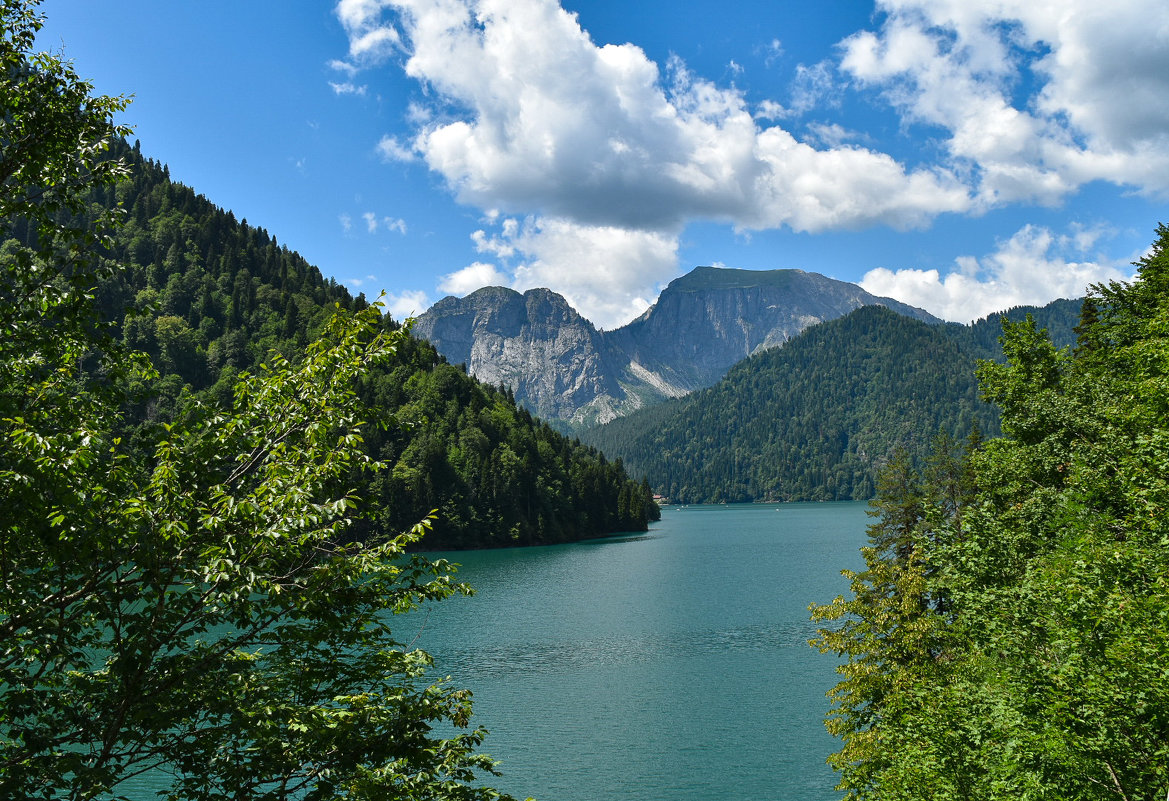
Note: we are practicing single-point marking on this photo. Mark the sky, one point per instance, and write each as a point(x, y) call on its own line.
point(964, 156)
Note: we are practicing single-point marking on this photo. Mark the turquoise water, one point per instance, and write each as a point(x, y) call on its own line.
point(657, 667)
point(668, 666)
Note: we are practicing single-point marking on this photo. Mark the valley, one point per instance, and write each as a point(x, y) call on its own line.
point(738, 385)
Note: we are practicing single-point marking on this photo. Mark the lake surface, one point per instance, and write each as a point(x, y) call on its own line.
point(666, 666)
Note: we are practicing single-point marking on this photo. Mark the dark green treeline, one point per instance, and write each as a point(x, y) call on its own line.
point(816, 418)
point(208, 297)
point(1007, 637)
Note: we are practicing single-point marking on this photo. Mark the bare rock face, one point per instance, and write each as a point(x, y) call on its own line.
point(562, 368)
point(553, 359)
point(711, 318)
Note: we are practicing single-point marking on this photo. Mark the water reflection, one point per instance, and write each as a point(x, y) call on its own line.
point(673, 668)
point(501, 660)
point(612, 540)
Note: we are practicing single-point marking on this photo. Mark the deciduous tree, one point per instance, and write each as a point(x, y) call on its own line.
point(202, 614)
point(1044, 673)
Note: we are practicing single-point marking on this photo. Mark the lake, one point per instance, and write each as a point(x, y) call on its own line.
point(655, 667)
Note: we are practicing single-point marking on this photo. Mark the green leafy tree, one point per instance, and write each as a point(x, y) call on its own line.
point(1044, 589)
point(53, 138)
point(891, 630)
point(202, 614)
point(184, 326)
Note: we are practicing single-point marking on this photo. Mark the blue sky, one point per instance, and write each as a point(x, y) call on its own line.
point(961, 155)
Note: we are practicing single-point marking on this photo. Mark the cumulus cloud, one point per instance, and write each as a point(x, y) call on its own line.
point(604, 194)
point(1031, 268)
point(1032, 99)
point(407, 304)
point(472, 277)
point(656, 148)
point(608, 274)
point(1092, 108)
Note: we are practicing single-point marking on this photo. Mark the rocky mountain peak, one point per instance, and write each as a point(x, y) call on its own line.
point(562, 367)
point(536, 343)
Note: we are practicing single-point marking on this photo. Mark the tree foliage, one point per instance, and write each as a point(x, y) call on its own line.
point(206, 297)
point(213, 620)
point(1037, 606)
point(816, 418)
point(196, 606)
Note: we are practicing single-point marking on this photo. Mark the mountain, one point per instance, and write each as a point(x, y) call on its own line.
point(813, 420)
point(714, 317)
point(555, 361)
point(208, 297)
point(560, 366)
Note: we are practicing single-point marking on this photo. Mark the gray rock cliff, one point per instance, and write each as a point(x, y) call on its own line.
point(712, 317)
point(562, 368)
point(553, 359)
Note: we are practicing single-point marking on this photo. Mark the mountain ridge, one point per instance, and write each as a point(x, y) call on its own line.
point(566, 370)
point(208, 298)
point(816, 419)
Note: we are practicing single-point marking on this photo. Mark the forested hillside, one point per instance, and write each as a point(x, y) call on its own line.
point(566, 370)
point(816, 418)
point(209, 297)
point(1007, 637)
point(191, 610)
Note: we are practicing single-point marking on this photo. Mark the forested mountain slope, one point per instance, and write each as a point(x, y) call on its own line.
point(815, 419)
point(561, 367)
point(209, 297)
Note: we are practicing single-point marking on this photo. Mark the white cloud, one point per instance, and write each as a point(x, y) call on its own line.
point(653, 151)
point(847, 187)
point(344, 66)
point(472, 277)
point(770, 110)
point(500, 246)
point(774, 51)
point(371, 40)
point(609, 274)
point(1033, 267)
point(374, 45)
point(1092, 109)
point(347, 88)
point(390, 149)
point(1036, 98)
point(410, 303)
point(606, 156)
point(346, 222)
point(357, 283)
point(373, 223)
point(831, 134)
point(814, 87)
